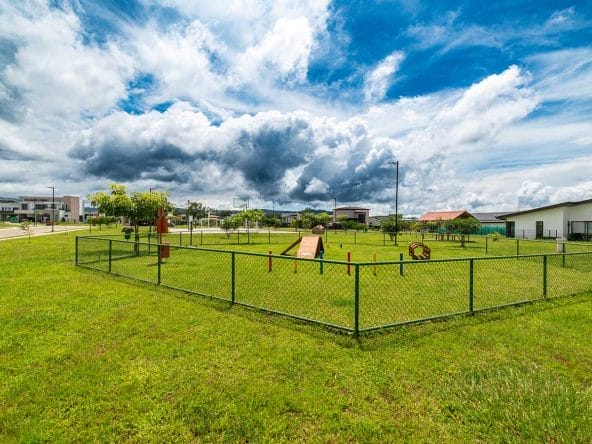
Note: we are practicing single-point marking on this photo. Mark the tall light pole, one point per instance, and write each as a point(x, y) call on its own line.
point(52, 208)
point(334, 211)
point(396, 163)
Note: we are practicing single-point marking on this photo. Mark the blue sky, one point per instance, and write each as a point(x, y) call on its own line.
point(487, 106)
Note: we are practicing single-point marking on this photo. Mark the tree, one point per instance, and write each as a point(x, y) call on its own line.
point(197, 210)
point(389, 227)
point(464, 227)
point(271, 221)
point(135, 206)
point(230, 223)
point(248, 216)
point(27, 227)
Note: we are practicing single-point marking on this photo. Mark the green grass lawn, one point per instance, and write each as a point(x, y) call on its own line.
point(86, 356)
point(389, 294)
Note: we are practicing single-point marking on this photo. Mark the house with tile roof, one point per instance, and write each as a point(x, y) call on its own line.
point(443, 216)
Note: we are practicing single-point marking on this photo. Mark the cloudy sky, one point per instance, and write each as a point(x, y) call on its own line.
point(487, 106)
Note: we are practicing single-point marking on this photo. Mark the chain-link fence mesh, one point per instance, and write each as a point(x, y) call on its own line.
point(351, 296)
point(398, 292)
point(200, 271)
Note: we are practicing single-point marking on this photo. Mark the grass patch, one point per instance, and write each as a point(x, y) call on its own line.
point(85, 356)
point(388, 293)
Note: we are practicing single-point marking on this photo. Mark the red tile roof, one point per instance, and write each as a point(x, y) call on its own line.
point(443, 215)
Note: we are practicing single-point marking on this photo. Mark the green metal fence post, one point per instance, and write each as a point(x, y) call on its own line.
point(357, 301)
point(76, 254)
point(517, 247)
point(238, 236)
point(545, 276)
point(232, 277)
point(383, 238)
point(269, 236)
point(563, 255)
point(180, 238)
point(471, 280)
point(321, 263)
point(158, 246)
point(110, 253)
point(201, 238)
point(486, 244)
point(401, 272)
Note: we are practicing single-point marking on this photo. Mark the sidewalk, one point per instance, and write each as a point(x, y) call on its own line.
point(39, 230)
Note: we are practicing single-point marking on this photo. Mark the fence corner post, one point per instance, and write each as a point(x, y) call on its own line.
point(357, 300)
point(471, 288)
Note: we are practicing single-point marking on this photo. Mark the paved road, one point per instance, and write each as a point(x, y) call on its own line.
point(39, 230)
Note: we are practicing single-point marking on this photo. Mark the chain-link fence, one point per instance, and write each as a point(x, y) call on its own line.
point(353, 297)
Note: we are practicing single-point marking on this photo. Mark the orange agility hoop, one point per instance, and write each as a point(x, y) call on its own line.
point(425, 251)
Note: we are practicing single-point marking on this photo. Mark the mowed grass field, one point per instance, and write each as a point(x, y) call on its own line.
point(86, 356)
point(389, 293)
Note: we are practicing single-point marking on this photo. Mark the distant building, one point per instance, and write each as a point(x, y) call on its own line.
point(357, 214)
point(8, 206)
point(571, 220)
point(491, 223)
point(48, 208)
point(288, 218)
point(435, 216)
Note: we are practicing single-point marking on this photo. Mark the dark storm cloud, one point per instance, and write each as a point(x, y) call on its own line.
point(275, 156)
point(118, 161)
point(264, 155)
point(357, 180)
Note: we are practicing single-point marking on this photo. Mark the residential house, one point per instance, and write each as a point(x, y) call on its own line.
point(49, 208)
point(571, 220)
point(357, 214)
point(8, 206)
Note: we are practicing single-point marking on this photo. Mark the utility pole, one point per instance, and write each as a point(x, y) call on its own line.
point(52, 208)
point(396, 163)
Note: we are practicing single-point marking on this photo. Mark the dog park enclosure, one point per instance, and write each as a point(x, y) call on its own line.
point(354, 297)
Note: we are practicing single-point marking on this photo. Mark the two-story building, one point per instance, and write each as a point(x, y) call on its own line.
point(357, 214)
point(49, 208)
point(8, 206)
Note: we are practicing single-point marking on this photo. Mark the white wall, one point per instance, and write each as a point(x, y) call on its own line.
point(553, 219)
point(580, 212)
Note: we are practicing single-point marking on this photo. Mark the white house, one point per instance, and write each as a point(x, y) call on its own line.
point(571, 220)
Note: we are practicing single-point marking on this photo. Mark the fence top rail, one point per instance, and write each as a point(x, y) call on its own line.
point(338, 262)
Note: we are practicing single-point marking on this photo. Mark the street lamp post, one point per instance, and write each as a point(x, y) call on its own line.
point(52, 208)
point(396, 163)
point(335, 213)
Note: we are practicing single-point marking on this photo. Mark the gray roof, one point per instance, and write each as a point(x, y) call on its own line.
point(548, 207)
point(488, 217)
